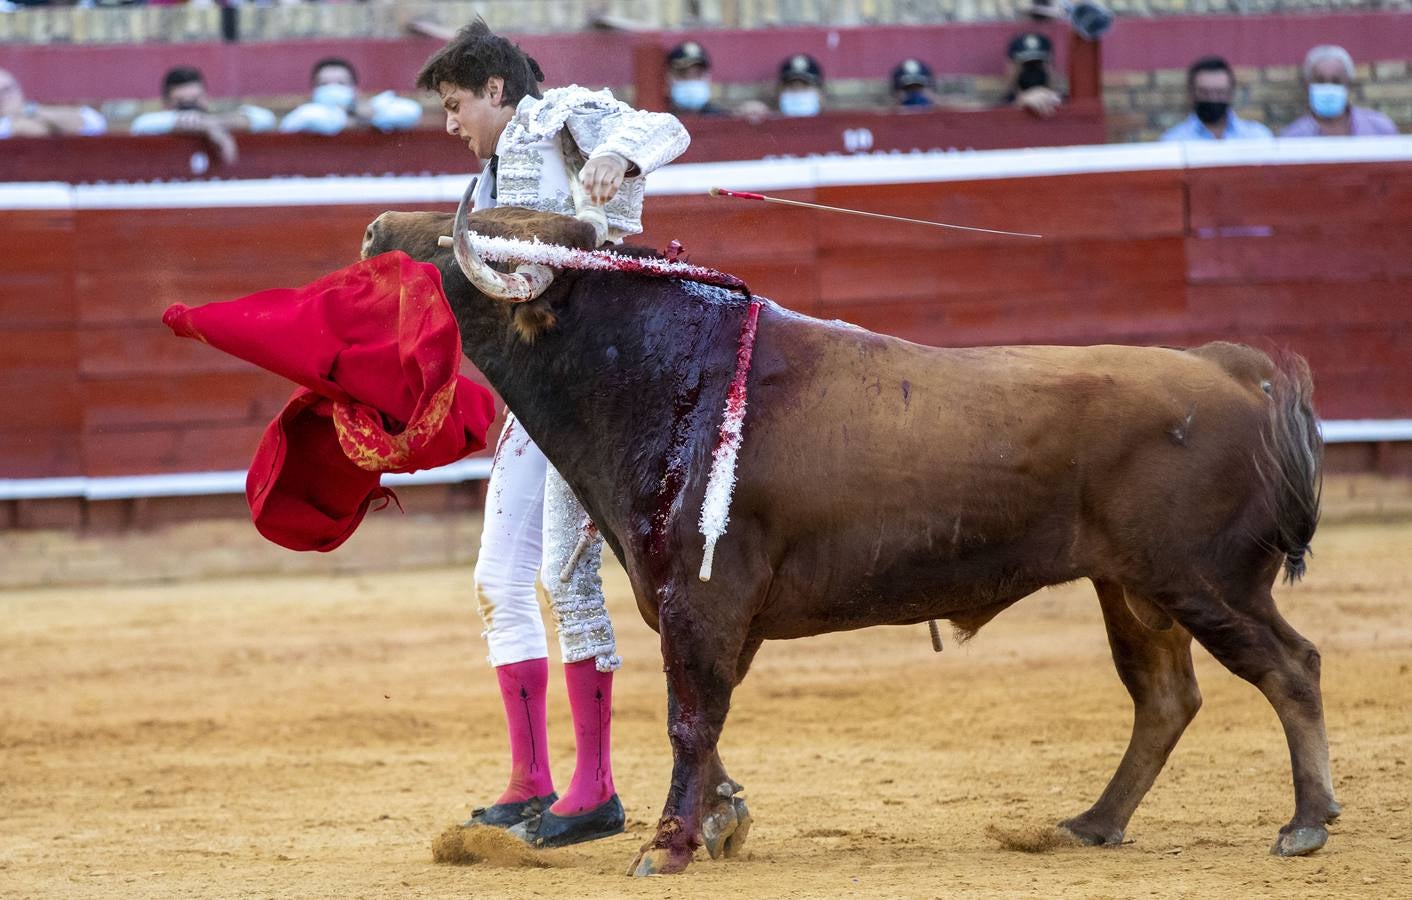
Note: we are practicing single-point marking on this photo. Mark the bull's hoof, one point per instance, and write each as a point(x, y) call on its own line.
point(658, 861)
point(736, 841)
point(724, 829)
point(1091, 834)
point(1299, 841)
point(1335, 810)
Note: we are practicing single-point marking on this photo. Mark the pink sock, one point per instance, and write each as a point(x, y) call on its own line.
point(591, 703)
point(522, 688)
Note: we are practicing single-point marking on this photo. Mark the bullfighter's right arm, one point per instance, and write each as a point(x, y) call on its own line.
point(601, 126)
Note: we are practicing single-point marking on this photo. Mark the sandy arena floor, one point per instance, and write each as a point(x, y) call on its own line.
point(310, 735)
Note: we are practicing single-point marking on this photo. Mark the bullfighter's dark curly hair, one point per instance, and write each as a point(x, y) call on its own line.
point(474, 56)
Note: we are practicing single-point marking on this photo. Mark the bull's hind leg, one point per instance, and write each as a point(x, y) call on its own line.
point(1155, 667)
point(1256, 643)
point(704, 635)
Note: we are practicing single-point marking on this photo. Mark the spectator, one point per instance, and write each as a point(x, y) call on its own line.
point(1328, 74)
point(24, 118)
point(187, 110)
point(1032, 75)
point(912, 84)
point(689, 81)
point(334, 104)
point(801, 86)
point(1211, 84)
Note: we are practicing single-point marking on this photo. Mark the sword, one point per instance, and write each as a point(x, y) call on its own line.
point(747, 195)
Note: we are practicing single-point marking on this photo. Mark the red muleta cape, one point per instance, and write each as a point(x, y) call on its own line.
point(376, 350)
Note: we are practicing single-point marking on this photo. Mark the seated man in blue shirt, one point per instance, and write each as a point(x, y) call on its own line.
point(1211, 84)
point(335, 104)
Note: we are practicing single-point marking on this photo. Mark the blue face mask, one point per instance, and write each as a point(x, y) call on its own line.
point(916, 98)
point(339, 95)
point(691, 93)
point(1328, 101)
point(800, 103)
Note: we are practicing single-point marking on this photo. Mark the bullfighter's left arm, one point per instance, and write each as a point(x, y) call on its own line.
point(647, 140)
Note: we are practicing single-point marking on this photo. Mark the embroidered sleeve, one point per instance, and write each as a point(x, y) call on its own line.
point(601, 125)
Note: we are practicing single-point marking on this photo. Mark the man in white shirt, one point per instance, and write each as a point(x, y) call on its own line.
point(534, 145)
point(187, 110)
point(24, 118)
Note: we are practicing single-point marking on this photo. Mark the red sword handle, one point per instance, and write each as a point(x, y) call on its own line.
point(743, 195)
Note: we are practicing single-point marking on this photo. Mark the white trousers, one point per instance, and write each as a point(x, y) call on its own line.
point(533, 523)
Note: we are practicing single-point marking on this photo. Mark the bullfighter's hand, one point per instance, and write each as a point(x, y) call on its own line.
point(602, 177)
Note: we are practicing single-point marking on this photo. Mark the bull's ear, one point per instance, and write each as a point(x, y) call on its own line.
point(530, 320)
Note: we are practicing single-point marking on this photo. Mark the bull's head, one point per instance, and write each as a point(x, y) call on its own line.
point(418, 235)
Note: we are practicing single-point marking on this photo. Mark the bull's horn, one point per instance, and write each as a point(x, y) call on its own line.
point(528, 282)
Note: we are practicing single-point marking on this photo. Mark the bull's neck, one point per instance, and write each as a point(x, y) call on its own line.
point(624, 394)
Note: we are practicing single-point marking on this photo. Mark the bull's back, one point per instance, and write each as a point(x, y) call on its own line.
point(916, 453)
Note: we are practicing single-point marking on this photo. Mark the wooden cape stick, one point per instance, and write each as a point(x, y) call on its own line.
point(747, 195)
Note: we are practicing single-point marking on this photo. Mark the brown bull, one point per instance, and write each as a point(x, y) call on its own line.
point(886, 483)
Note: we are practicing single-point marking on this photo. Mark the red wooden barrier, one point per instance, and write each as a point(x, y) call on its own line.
point(92, 383)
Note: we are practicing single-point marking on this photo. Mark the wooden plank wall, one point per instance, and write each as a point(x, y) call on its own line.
point(427, 150)
point(1312, 259)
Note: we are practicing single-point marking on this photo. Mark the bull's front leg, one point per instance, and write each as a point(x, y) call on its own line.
point(702, 645)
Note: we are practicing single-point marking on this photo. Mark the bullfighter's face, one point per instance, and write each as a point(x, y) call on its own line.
point(477, 119)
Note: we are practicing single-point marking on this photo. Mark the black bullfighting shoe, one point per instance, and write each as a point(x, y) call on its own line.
point(508, 815)
point(553, 830)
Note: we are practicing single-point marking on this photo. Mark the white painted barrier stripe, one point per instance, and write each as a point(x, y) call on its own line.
point(193, 484)
point(1359, 431)
point(36, 195)
point(757, 175)
point(278, 192)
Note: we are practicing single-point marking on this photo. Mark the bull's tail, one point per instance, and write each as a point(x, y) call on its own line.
point(1293, 471)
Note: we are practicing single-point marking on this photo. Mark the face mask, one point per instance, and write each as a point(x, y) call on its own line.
point(338, 95)
point(191, 106)
point(691, 93)
point(800, 102)
point(1328, 101)
point(916, 98)
point(1033, 74)
point(1210, 112)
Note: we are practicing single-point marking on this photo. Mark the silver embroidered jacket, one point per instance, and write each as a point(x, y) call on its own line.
point(533, 171)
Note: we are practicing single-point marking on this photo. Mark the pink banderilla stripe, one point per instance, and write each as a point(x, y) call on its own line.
point(716, 505)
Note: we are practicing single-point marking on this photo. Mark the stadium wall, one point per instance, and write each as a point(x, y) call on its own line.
point(1144, 62)
point(1295, 245)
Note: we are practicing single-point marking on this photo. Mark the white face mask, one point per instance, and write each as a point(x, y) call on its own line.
point(338, 95)
point(800, 102)
point(691, 93)
point(1328, 101)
